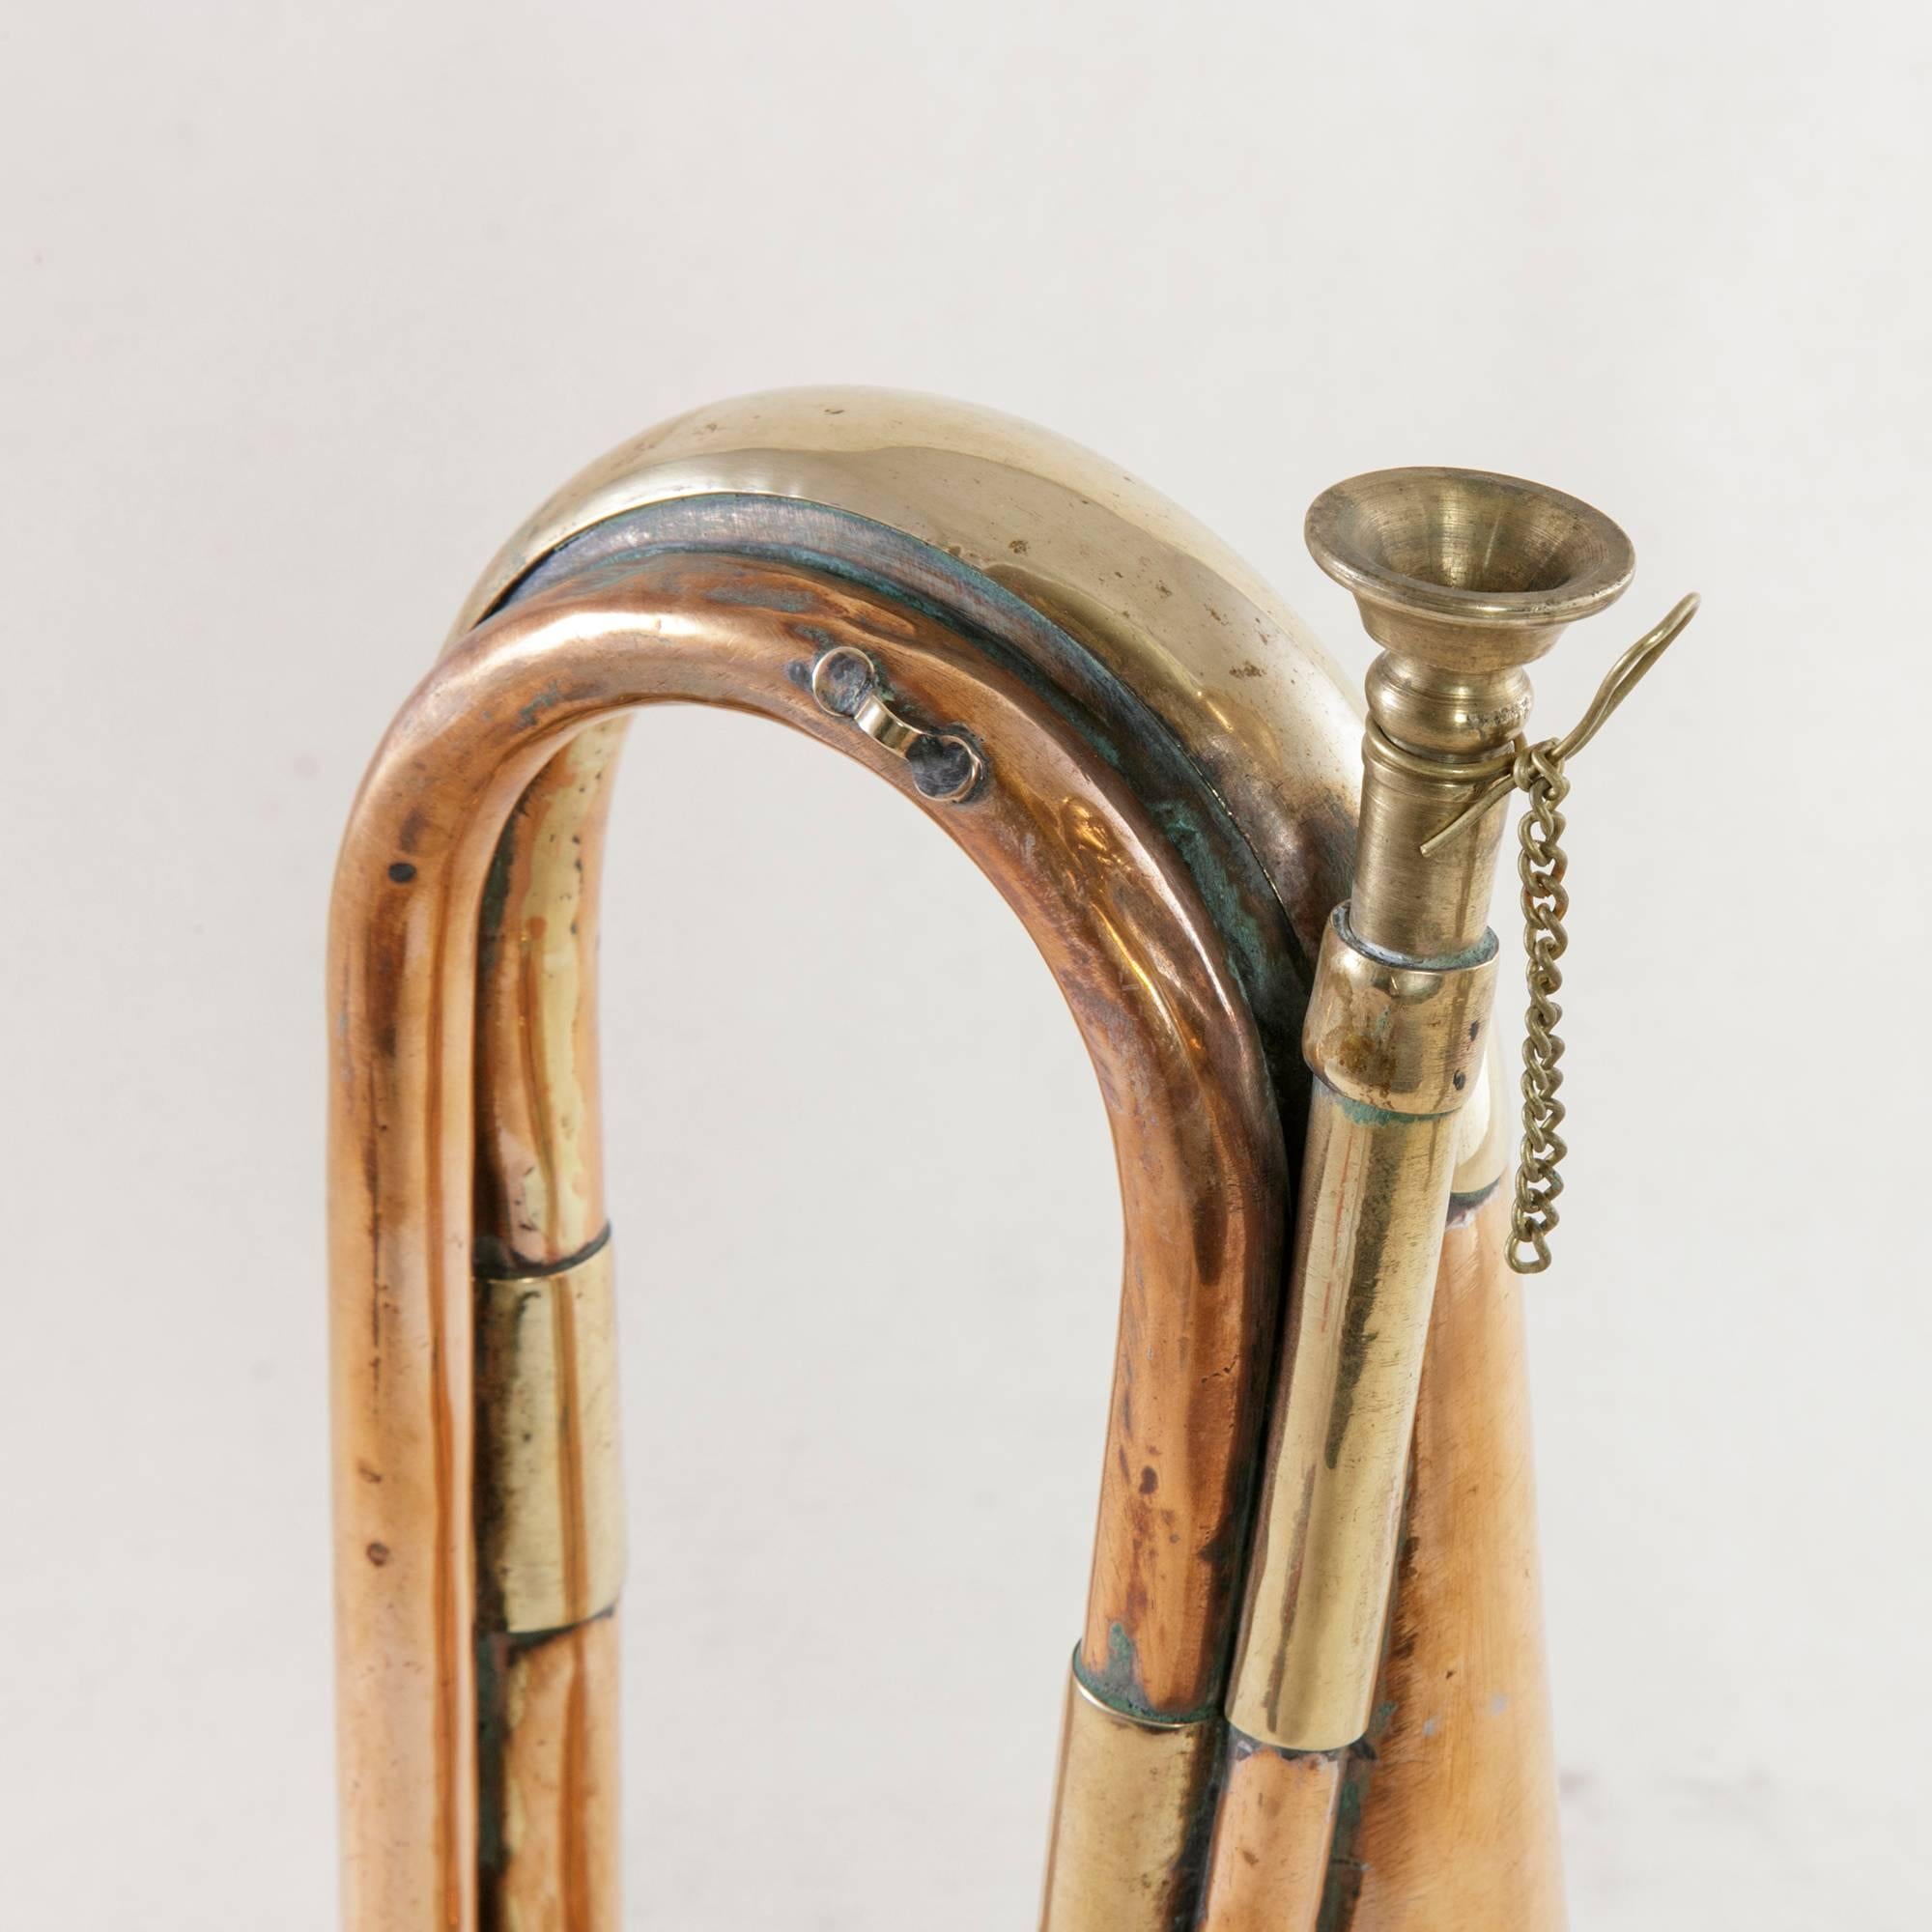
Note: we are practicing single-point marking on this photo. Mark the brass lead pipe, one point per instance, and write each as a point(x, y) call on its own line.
point(1330, 1511)
point(1463, 578)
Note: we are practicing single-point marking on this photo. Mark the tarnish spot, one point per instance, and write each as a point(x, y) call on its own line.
point(1118, 1683)
point(761, 597)
point(547, 700)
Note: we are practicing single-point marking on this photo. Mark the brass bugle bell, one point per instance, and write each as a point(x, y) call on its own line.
point(1310, 1688)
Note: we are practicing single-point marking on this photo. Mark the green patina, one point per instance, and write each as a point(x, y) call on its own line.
point(1118, 1685)
point(1365, 1115)
point(1479, 955)
point(1248, 954)
point(764, 597)
point(1344, 1888)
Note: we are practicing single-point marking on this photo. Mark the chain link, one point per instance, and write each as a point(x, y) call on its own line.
point(1540, 866)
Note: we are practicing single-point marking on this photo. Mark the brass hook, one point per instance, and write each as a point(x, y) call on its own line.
point(1623, 678)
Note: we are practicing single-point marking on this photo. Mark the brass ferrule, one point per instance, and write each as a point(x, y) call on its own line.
point(549, 1505)
point(1401, 1039)
point(1128, 1799)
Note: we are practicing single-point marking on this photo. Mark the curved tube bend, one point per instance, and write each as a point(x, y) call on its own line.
point(1120, 922)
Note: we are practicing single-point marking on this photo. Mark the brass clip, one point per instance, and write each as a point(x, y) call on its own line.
point(550, 1483)
point(1515, 769)
point(945, 765)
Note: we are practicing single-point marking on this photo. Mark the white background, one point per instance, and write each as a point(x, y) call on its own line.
point(303, 306)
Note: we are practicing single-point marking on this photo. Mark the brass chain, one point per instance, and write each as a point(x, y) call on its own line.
point(1540, 866)
point(1537, 770)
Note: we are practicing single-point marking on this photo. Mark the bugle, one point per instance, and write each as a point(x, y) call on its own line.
point(1309, 1687)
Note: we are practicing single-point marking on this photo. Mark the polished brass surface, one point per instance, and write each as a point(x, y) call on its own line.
point(1233, 675)
point(1463, 578)
point(1373, 1193)
point(1126, 1797)
point(1407, 1039)
point(550, 1495)
point(1466, 569)
point(1482, 1131)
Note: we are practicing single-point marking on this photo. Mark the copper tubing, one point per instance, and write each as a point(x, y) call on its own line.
point(1267, 1867)
point(1118, 922)
point(548, 1856)
point(1457, 1805)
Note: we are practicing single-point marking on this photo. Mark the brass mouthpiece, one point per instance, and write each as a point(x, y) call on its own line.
point(1465, 577)
point(1466, 569)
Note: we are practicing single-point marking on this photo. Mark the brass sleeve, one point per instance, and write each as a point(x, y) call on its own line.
point(1401, 1037)
point(550, 1502)
point(1126, 1802)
